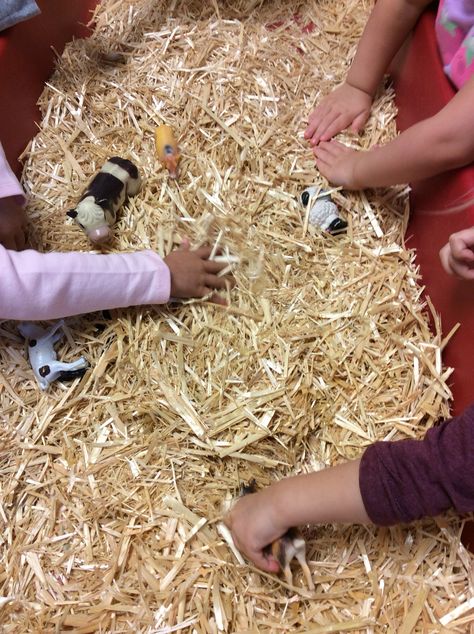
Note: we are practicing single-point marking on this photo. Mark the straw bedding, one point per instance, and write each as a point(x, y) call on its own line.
point(112, 486)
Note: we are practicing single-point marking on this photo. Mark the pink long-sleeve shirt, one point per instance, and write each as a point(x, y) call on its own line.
point(37, 286)
point(9, 185)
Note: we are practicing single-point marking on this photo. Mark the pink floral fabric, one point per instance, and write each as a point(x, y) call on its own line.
point(455, 34)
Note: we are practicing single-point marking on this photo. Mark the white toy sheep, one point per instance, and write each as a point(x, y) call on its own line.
point(324, 212)
point(43, 357)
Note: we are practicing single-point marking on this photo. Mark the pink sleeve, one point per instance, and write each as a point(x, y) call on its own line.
point(9, 185)
point(37, 286)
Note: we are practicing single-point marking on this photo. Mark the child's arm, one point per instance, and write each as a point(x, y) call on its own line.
point(349, 105)
point(435, 145)
point(36, 286)
point(330, 495)
point(457, 256)
point(393, 482)
point(12, 214)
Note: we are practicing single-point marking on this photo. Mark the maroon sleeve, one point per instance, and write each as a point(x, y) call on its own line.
point(404, 480)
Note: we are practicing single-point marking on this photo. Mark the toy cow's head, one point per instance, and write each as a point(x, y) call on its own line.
point(91, 219)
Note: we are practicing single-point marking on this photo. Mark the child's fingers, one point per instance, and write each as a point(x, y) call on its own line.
point(314, 120)
point(185, 245)
point(324, 124)
point(218, 299)
point(340, 123)
point(212, 281)
point(461, 270)
point(334, 148)
point(324, 154)
point(214, 267)
point(459, 249)
point(268, 564)
point(444, 257)
point(203, 252)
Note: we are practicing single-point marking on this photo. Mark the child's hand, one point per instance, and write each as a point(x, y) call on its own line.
point(12, 224)
point(457, 256)
point(336, 162)
point(193, 275)
point(254, 523)
point(345, 106)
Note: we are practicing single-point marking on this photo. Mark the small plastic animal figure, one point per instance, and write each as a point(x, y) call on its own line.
point(167, 149)
point(97, 209)
point(43, 357)
point(285, 548)
point(324, 212)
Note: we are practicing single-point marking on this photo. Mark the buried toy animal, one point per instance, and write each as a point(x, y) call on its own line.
point(97, 209)
point(43, 357)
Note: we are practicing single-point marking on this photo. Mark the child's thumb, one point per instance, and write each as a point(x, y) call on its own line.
point(185, 245)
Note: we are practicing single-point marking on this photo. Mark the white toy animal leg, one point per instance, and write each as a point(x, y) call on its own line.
point(300, 555)
point(288, 574)
point(55, 369)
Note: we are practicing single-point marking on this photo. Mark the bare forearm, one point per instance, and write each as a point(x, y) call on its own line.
point(329, 495)
point(424, 150)
point(388, 26)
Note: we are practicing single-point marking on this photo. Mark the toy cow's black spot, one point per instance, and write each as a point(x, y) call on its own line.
point(126, 165)
point(32, 343)
point(72, 213)
point(70, 375)
point(337, 225)
point(105, 188)
point(44, 370)
point(169, 149)
point(305, 198)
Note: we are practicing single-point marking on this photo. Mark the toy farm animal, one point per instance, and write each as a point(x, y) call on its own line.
point(43, 356)
point(107, 191)
point(324, 212)
point(286, 547)
point(167, 149)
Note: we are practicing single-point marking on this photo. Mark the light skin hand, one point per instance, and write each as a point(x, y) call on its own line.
point(337, 163)
point(12, 224)
point(349, 105)
point(345, 107)
point(330, 495)
point(254, 525)
point(457, 256)
point(194, 275)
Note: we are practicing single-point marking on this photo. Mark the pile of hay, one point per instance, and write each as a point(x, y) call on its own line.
point(111, 486)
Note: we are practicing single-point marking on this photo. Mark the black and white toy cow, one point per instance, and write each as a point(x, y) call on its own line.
point(43, 357)
point(97, 210)
point(323, 213)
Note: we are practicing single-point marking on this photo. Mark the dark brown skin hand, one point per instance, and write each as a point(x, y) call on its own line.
point(193, 275)
point(12, 224)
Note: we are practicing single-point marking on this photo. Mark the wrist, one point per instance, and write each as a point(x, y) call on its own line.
point(357, 181)
point(360, 86)
point(282, 504)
